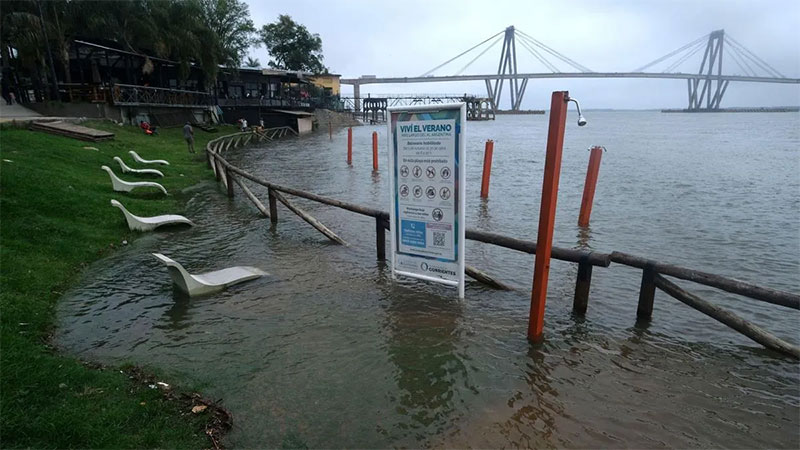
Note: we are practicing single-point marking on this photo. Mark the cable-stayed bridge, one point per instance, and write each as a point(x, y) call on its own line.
point(705, 88)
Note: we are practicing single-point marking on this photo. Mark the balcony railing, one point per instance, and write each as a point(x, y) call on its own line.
point(279, 102)
point(132, 95)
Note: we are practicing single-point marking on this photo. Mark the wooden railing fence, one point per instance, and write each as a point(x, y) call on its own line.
point(653, 272)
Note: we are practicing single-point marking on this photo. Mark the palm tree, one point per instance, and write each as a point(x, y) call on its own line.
point(254, 63)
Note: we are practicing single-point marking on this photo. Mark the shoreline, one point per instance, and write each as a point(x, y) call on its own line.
point(56, 220)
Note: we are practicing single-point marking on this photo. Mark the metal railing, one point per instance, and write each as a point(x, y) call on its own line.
point(134, 95)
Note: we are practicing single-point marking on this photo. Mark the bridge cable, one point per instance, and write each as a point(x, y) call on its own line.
point(534, 43)
point(553, 52)
point(479, 55)
point(541, 58)
point(699, 46)
point(742, 63)
point(771, 70)
point(460, 55)
point(672, 53)
point(747, 59)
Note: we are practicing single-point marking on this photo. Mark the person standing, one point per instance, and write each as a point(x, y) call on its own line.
point(188, 134)
point(6, 89)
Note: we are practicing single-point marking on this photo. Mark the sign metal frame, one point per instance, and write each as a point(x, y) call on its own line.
point(444, 269)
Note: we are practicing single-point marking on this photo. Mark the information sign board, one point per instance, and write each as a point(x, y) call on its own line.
point(427, 174)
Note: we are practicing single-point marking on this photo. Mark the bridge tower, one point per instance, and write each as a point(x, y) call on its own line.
point(507, 65)
point(711, 68)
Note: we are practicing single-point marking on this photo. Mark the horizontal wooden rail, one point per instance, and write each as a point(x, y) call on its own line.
point(730, 319)
point(768, 295)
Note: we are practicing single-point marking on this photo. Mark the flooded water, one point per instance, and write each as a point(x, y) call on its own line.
point(328, 351)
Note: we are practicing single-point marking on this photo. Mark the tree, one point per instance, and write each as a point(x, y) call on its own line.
point(292, 46)
point(234, 31)
point(254, 63)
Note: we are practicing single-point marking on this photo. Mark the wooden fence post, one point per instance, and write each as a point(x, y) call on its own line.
point(582, 285)
point(380, 238)
point(229, 180)
point(647, 293)
point(273, 206)
point(217, 173)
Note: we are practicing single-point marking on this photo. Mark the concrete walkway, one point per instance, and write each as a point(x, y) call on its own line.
point(15, 112)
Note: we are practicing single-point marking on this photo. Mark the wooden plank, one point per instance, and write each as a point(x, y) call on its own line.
point(252, 197)
point(72, 130)
point(310, 219)
point(733, 286)
point(486, 279)
point(730, 319)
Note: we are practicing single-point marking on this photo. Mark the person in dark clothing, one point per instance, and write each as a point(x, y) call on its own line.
point(6, 90)
point(188, 134)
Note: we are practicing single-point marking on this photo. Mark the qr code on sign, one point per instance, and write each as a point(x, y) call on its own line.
point(438, 238)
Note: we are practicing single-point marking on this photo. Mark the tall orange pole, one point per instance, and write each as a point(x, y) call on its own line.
point(547, 213)
point(588, 188)
point(487, 168)
point(375, 151)
point(350, 145)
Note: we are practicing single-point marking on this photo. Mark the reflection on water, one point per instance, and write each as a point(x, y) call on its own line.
point(328, 351)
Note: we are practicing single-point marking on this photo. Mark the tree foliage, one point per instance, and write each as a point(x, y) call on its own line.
point(233, 29)
point(254, 63)
point(292, 46)
point(209, 33)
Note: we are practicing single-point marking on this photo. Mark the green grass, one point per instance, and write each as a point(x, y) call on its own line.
point(55, 218)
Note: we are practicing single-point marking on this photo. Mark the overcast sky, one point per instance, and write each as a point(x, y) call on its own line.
point(410, 37)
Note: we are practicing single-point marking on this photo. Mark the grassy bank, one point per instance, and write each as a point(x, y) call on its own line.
point(55, 218)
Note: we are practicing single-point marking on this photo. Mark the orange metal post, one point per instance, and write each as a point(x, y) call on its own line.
point(350, 145)
point(487, 168)
point(547, 213)
point(375, 151)
point(588, 188)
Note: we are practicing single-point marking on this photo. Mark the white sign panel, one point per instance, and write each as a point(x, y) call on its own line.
point(427, 168)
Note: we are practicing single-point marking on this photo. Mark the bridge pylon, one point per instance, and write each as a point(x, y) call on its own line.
point(713, 86)
point(508, 65)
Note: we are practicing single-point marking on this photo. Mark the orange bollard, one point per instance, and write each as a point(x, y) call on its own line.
point(487, 168)
point(547, 213)
point(350, 145)
point(375, 151)
point(330, 131)
point(588, 188)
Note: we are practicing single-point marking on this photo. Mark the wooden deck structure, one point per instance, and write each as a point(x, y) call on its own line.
point(72, 130)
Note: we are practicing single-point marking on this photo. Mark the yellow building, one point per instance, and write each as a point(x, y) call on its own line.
point(328, 81)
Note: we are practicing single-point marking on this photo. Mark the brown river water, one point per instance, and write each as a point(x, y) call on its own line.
point(328, 351)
